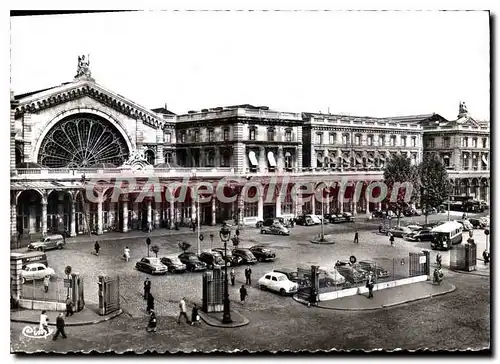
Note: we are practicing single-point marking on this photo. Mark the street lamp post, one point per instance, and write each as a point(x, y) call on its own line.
point(225, 236)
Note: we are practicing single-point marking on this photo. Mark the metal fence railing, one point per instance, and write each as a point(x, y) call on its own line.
point(35, 290)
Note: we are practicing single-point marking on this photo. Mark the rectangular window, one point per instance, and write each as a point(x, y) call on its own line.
point(345, 138)
point(168, 157)
point(474, 142)
point(446, 161)
point(369, 140)
point(485, 142)
point(183, 137)
point(358, 139)
point(475, 161)
point(288, 135)
point(251, 209)
point(430, 143)
point(332, 138)
point(226, 134)
point(381, 140)
point(168, 138)
point(211, 135)
point(446, 142)
point(403, 141)
point(393, 141)
point(465, 161)
point(196, 136)
point(252, 134)
point(465, 142)
point(414, 141)
point(319, 138)
point(270, 134)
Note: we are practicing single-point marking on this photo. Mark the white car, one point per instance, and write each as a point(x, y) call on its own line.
point(277, 282)
point(35, 271)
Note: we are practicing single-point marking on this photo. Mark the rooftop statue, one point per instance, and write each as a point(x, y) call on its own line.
point(83, 66)
point(462, 109)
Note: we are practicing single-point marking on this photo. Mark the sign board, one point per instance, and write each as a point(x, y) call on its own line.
point(423, 259)
point(67, 283)
point(34, 257)
point(67, 270)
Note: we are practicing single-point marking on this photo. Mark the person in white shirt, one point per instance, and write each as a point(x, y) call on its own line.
point(126, 253)
point(182, 307)
point(44, 325)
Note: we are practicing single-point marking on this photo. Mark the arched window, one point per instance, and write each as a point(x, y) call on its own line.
point(211, 158)
point(226, 158)
point(319, 159)
point(288, 160)
point(150, 156)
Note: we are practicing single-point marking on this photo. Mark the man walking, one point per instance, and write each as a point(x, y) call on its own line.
point(150, 306)
point(46, 281)
point(182, 309)
point(60, 327)
point(391, 239)
point(369, 284)
point(97, 247)
point(243, 294)
point(147, 288)
point(439, 259)
point(126, 253)
point(248, 275)
point(233, 276)
point(356, 237)
point(69, 306)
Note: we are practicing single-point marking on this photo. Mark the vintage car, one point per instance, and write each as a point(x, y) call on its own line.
point(173, 264)
point(420, 235)
point(151, 265)
point(276, 229)
point(293, 275)
point(212, 259)
point(229, 258)
point(304, 220)
point(345, 217)
point(47, 243)
point(278, 282)
point(245, 254)
point(370, 266)
point(272, 221)
point(466, 224)
point(192, 261)
point(34, 271)
point(262, 253)
point(398, 231)
point(477, 223)
point(351, 273)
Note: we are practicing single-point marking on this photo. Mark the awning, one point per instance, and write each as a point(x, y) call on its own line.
point(253, 159)
point(270, 158)
point(485, 161)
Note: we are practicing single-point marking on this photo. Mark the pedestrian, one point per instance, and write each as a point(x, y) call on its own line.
point(147, 288)
point(126, 253)
point(182, 309)
point(233, 276)
point(150, 306)
point(248, 275)
point(464, 216)
point(439, 259)
point(195, 317)
point(44, 324)
point(97, 247)
point(194, 225)
point(46, 281)
point(60, 327)
point(152, 322)
point(356, 237)
point(391, 239)
point(369, 284)
point(243, 294)
point(69, 306)
point(150, 227)
point(486, 257)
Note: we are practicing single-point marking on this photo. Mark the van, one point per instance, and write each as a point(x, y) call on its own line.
point(447, 235)
point(47, 243)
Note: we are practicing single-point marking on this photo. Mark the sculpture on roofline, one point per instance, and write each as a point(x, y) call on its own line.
point(462, 109)
point(83, 66)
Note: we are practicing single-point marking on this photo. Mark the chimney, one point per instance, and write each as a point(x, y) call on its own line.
point(166, 106)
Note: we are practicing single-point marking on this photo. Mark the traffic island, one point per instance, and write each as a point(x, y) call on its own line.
point(326, 239)
point(215, 319)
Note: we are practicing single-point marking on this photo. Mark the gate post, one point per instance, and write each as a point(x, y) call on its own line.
point(16, 264)
point(102, 308)
point(313, 298)
point(427, 262)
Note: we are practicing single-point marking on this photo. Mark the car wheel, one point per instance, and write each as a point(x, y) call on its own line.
point(262, 287)
point(59, 246)
point(40, 249)
point(191, 269)
point(259, 259)
point(23, 280)
point(282, 292)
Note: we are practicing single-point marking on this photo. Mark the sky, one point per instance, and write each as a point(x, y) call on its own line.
point(360, 63)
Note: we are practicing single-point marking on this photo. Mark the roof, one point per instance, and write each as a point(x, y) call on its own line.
point(22, 96)
point(396, 119)
point(162, 110)
point(447, 226)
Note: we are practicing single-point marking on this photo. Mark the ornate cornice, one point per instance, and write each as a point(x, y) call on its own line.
point(34, 104)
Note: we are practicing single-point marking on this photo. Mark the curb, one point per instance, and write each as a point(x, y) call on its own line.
point(215, 323)
point(470, 273)
point(453, 288)
point(81, 323)
point(322, 242)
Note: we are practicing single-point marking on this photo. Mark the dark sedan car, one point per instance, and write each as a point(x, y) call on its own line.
point(232, 260)
point(421, 235)
point(212, 259)
point(173, 264)
point(370, 266)
point(304, 220)
point(262, 253)
point(192, 261)
point(245, 254)
point(351, 274)
point(151, 265)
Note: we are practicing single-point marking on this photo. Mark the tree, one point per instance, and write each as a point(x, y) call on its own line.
point(434, 181)
point(155, 249)
point(184, 246)
point(400, 174)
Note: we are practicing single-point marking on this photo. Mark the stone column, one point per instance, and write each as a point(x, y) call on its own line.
point(313, 204)
point(112, 214)
point(278, 204)
point(214, 209)
point(327, 203)
point(157, 214)
point(281, 159)
point(159, 156)
point(125, 216)
point(368, 213)
point(260, 208)
point(172, 215)
point(16, 264)
point(149, 216)
point(72, 229)
point(99, 217)
point(44, 218)
point(32, 219)
point(13, 219)
point(298, 205)
point(354, 207)
point(262, 159)
point(241, 208)
point(193, 210)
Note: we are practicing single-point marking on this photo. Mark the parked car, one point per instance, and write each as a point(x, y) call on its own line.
point(276, 229)
point(192, 261)
point(412, 212)
point(485, 220)
point(420, 235)
point(399, 231)
point(151, 265)
point(484, 205)
point(47, 243)
point(212, 259)
point(351, 274)
point(293, 276)
point(370, 266)
point(304, 220)
point(277, 282)
point(345, 217)
point(328, 276)
point(34, 271)
point(315, 218)
point(477, 223)
point(173, 264)
point(245, 254)
point(262, 253)
point(414, 227)
point(229, 258)
point(466, 224)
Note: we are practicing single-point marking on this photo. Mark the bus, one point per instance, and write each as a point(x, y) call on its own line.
point(464, 203)
point(446, 235)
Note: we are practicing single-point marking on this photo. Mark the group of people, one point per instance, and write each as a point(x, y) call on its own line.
point(60, 325)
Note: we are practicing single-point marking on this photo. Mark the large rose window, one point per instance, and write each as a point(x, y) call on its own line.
point(83, 141)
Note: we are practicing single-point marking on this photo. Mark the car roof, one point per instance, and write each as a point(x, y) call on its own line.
point(171, 257)
point(34, 264)
point(274, 273)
